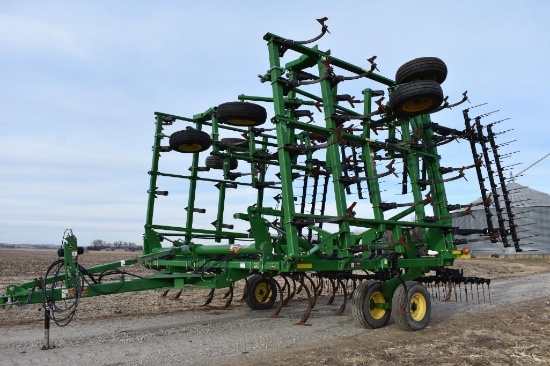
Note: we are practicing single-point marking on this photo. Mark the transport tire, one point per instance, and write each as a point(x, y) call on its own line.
point(367, 304)
point(411, 306)
point(241, 114)
point(190, 141)
point(422, 68)
point(229, 142)
point(216, 162)
point(261, 293)
point(416, 98)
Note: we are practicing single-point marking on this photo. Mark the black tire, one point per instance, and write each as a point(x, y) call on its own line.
point(365, 305)
point(423, 68)
point(216, 162)
point(416, 98)
point(241, 114)
point(411, 306)
point(228, 143)
point(190, 141)
point(261, 293)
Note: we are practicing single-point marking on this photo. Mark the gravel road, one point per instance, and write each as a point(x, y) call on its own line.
point(213, 336)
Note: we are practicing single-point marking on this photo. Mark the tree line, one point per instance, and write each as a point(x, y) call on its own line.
point(99, 244)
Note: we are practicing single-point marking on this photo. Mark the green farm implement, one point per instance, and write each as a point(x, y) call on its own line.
point(285, 192)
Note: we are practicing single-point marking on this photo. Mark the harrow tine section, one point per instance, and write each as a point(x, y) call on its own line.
point(164, 293)
point(446, 281)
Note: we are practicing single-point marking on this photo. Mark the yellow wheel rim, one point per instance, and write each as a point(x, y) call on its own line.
point(190, 147)
point(375, 310)
point(241, 122)
point(262, 293)
point(418, 307)
point(417, 105)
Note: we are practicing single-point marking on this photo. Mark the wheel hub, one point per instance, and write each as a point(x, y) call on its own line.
point(375, 310)
point(418, 307)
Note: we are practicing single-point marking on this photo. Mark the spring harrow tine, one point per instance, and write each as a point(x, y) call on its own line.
point(321, 285)
point(448, 291)
point(300, 287)
point(333, 292)
point(229, 296)
point(277, 310)
point(177, 295)
point(293, 293)
point(456, 292)
point(313, 289)
point(209, 297)
point(287, 288)
point(310, 303)
point(342, 307)
point(164, 293)
point(353, 287)
point(245, 290)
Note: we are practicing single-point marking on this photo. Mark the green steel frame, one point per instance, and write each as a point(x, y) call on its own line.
point(272, 240)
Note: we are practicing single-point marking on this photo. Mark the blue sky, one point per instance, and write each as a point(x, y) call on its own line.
point(81, 81)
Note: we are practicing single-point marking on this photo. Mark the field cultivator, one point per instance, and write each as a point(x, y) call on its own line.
point(305, 192)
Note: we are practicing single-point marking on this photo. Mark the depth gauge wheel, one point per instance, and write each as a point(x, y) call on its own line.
point(411, 306)
point(416, 98)
point(241, 114)
point(262, 293)
point(216, 162)
point(368, 305)
point(423, 68)
point(190, 141)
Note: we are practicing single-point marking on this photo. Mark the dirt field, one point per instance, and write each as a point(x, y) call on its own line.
point(145, 328)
